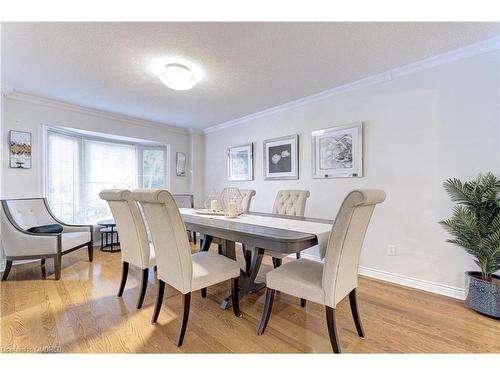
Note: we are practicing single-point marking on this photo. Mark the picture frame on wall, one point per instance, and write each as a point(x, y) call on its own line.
point(240, 163)
point(180, 164)
point(338, 152)
point(281, 158)
point(19, 149)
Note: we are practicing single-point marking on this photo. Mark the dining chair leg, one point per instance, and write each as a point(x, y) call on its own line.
point(276, 262)
point(57, 266)
point(185, 316)
point(144, 285)
point(235, 296)
point(302, 302)
point(203, 292)
point(332, 329)
point(355, 313)
point(124, 278)
point(266, 313)
point(247, 254)
point(8, 266)
point(159, 300)
point(90, 250)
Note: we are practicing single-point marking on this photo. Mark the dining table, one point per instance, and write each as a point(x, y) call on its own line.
point(259, 234)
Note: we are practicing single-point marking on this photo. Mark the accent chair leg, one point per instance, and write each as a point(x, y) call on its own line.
point(8, 266)
point(302, 302)
point(332, 329)
point(124, 278)
point(266, 313)
point(159, 300)
point(276, 262)
point(194, 238)
point(91, 252)
point(355, 313)
point(203, 292)
point(298, 255)
point(235, 296)
point(57, 266)
point(219, 249)
point(144, 285)
point(42, 262)
point(185, 316)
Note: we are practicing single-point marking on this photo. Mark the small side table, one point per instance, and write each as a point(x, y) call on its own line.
point(108, 235)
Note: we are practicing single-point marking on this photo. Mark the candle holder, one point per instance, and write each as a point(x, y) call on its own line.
point(231, 200)
point(213, 201)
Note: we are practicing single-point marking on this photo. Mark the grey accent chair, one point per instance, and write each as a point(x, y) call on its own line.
point(136, 249)
point(18, 215)
point(177, 267)
point(330, 282)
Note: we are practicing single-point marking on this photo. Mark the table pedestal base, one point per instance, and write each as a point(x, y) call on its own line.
point(246, 280)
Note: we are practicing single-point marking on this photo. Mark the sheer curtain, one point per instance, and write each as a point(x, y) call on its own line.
point(107, 166)
point(63, 158)
point(79, 168)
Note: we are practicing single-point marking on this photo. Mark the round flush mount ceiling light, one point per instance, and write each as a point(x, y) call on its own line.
point(178, 77)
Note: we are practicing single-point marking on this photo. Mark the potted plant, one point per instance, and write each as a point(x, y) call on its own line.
point(475, 226)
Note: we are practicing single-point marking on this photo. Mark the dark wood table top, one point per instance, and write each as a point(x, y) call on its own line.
point(252, 235)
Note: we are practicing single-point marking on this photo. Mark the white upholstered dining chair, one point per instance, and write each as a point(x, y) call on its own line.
point(289, 203)
point(247, 195)
point(330, 282)
point(20, 216)
point(136, 249)
point(177, 267)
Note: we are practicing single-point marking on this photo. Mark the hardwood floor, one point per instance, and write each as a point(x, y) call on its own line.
point(81, 313)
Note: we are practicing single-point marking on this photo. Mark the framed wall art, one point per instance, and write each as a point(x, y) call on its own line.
point(338, 151)
point(180, 164)
point(19, 149)
point(281, 158)
point(240, 163)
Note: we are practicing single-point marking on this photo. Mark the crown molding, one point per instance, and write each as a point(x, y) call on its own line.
point(475, 49)
point(35, 99)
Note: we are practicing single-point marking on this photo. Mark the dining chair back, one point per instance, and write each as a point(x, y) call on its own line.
point(291, 202)
point(247, 195)
point(169, 236)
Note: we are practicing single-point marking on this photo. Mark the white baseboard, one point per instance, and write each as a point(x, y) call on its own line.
point(428, 286)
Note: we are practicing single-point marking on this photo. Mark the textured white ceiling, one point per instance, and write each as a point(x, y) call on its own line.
point(245, 67)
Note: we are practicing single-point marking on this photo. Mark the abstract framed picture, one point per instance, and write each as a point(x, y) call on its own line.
point(180, 164)
point(338, 151)
point(240, 163)
point(281, 158)
point(19, 149)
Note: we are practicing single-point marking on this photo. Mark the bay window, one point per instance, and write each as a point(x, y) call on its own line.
point(79, 167)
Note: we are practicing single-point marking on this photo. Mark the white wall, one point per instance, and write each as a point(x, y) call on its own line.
point(23, 113)
point(197, 163)
point(419, 130)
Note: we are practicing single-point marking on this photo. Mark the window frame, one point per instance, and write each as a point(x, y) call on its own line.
point(140, 146)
